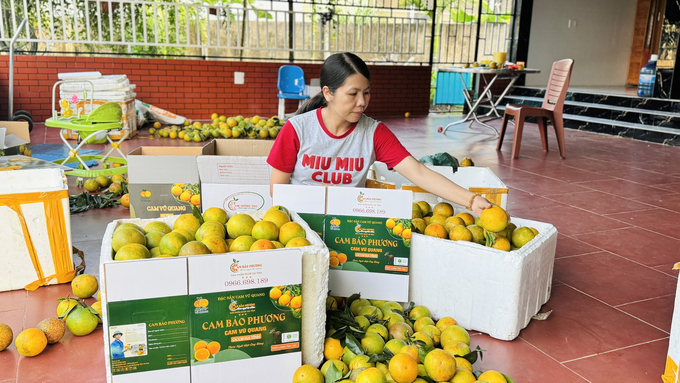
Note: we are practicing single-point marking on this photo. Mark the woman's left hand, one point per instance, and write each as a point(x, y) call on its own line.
point(479, 204)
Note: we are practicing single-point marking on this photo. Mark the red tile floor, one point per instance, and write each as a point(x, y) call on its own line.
point(614, 202)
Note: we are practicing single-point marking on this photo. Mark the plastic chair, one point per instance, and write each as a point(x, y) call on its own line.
point(553, 103)
point(291, 85)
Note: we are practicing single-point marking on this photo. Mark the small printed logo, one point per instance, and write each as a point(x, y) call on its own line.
point(244, 201)
point(234, 266)
point(335, 224)
point(360, 230)
point(360, 197)
point(145, 193)
point(234, 306)
point(200, 305)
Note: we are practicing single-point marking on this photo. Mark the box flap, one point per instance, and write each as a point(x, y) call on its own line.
point(236, 162)
point(165, 164)
point(363, 202)
point(249, 148)
point(466, 177)
point(17, 128)
point(301, 198)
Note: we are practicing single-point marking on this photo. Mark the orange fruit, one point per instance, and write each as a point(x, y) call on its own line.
point(443, 208)
point(308, 374)
point(278, 217)
point(460, 233)
point(372, 343)
point(422, 322)
point(522, 236)
point(187, 222)
point(450, 222)
point(468, 218)
point(239, 225)
point(438, 218)
point(371, 375)
point(296, 302)
point(6, 336)
point(193, 248)
point(215, 244)
point(342, 258)
point(492, 376)
point(403, 368)
point(84, 285)
point(125, 200)
point(284, 300)
point(289, 231)
point(494, 219)
point(412, 351)
point(463, 363)
point(200, 344)
point(202, 354)
point(214, 347)
point(332, 349)
point(215, 214)
point(440, 365)
point(435, 230)
point(418, 312)
point(274, 293)
point(132, 251)
point(463, 376)
point(210, 228)
point(262, 244)
point(453, 334)
point(340, 365)
point(53, 328)
point(30, 342)
point(242, 243)
point(502, 244)
point(265, 230)
point(299, 242)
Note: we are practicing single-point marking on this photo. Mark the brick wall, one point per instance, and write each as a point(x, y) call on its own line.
point(196, 89)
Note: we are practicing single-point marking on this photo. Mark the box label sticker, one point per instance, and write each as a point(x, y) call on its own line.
point(162, 200)
point(242, 324)
point(243, 201)
point(148, 334)
point(377, 245)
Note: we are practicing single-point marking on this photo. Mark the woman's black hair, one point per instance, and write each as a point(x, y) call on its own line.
point(334, 72)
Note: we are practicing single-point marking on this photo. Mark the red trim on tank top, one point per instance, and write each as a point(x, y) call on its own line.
point(331, 135)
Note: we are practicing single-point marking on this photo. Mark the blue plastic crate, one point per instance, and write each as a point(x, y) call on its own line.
point(449, 88)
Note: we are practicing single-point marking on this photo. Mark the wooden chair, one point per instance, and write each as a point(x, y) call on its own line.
point(553, 103)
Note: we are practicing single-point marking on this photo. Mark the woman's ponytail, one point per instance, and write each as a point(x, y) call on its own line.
point(313, 103)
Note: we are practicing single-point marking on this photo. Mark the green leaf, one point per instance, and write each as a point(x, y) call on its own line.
point(354, 345)
point(197, 214)
point(473, 355)
point(333, 374)
point(386, 355)
point(508, 378)
point(490, 238)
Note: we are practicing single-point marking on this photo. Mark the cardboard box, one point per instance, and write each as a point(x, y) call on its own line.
point(35, 235)
point(20, 131)
point(163, 180)
point(235, 175)
point(133, 292)
point(371, 257)
point(671, 373)
point(484, 289)
point(234, 308)
point(476, 179)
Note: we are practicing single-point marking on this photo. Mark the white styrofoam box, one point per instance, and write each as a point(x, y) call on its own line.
point(17, 269)
point(79, 76)
point(484, 289)
point(315, 259)
point(671, 373)
point(476, 179)
point(102, 83)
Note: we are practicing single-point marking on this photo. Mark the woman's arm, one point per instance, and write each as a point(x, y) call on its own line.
point(439, 185)
point(278, 177)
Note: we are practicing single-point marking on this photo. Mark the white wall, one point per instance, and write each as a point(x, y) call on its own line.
point(599, 44)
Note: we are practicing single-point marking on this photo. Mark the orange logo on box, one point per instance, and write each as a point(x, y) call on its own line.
point(396, 268)
point(145, 193)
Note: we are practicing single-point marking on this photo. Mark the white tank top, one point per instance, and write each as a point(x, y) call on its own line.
point(324, 160)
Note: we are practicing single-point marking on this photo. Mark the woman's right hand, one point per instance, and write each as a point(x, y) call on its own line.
point(479, 204)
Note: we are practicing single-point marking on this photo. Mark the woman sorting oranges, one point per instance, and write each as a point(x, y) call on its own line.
point(332, 142)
